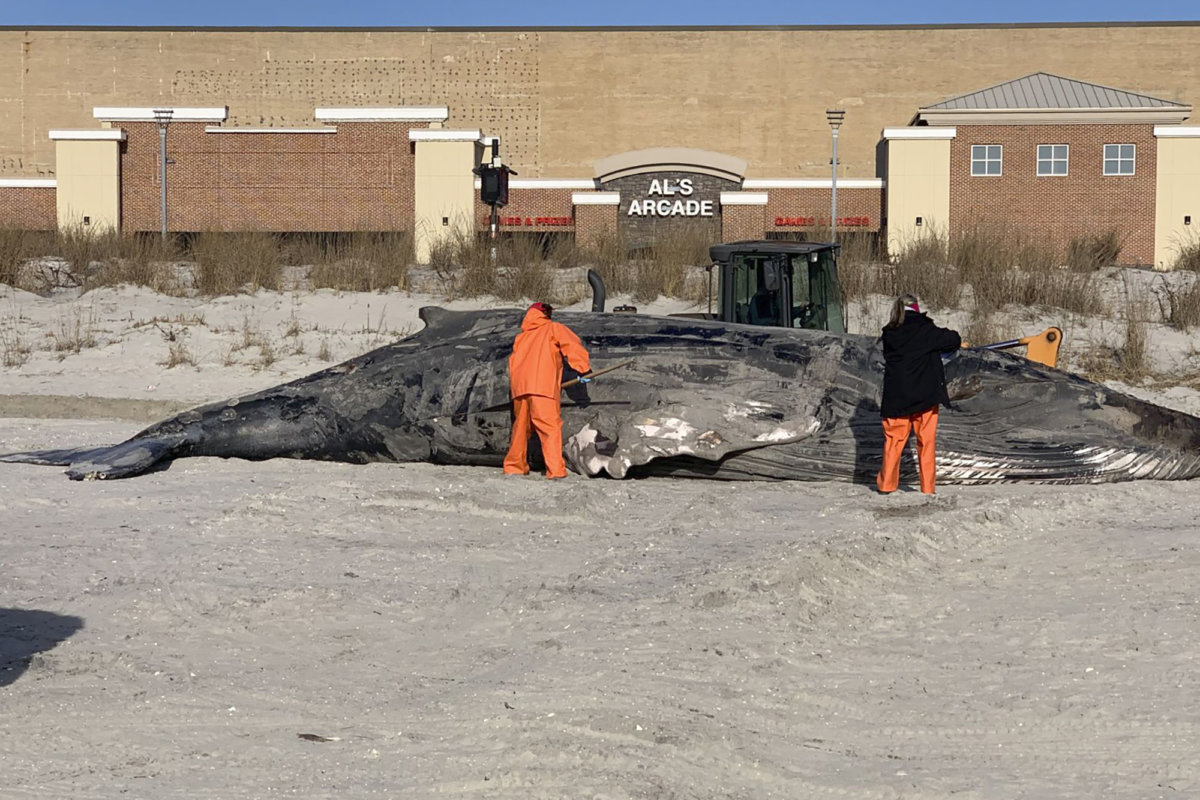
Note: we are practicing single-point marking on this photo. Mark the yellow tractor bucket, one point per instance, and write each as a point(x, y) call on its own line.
point(1041, 347)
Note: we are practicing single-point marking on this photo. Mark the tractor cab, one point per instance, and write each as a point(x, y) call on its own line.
point(782, 284)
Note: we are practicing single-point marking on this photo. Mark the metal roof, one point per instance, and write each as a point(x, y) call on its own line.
point(1041, 90)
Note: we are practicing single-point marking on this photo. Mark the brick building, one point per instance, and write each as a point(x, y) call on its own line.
point(1057, 156)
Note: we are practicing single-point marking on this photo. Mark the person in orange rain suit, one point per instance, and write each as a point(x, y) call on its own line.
point(535, 374)
point(914, 385)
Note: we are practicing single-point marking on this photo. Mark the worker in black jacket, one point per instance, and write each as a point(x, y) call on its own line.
point(914, 385)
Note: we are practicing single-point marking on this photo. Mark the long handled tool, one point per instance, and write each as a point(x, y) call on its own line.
point(594, 373)
point(564, 385)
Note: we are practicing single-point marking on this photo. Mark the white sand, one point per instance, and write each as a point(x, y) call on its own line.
point(453, 632)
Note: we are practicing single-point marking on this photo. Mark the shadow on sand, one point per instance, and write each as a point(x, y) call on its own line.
point(24, 633)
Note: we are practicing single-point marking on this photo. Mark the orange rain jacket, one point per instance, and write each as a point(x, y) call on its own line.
point(535, 366)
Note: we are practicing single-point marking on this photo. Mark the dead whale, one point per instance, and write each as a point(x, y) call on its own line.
point(701, 399)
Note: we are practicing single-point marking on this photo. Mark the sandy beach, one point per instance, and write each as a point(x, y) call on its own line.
point(231, 629)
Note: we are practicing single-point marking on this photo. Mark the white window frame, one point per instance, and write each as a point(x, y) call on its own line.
point(986, 160)
point(1119, 159)
point(1051, 160)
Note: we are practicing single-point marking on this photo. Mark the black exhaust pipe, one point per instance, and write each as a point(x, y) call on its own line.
point(597, 284)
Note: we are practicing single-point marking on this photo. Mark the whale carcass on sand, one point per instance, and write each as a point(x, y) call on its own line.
point(701, 399)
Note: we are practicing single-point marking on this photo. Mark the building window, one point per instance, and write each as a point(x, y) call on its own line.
point(986, 159)
point(1119, 158)
point(1052, 159)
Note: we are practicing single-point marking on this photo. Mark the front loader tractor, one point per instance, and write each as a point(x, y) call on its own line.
point(795, 285)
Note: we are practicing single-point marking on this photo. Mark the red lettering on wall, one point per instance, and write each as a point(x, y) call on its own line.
point(843, 222)
point(531, 222)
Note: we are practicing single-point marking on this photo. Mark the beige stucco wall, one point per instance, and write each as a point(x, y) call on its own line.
point(918, 185)
point(563, 99)
point(1177, 194)
point(444, 192)
point(89, 184)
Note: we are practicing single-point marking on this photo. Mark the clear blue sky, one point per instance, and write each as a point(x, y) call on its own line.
point(478, 13)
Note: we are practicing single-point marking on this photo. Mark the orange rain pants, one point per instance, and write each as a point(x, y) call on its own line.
point(544, 415)
point(895, 438)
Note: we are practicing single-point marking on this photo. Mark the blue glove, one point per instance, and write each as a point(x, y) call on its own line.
point(582, 379)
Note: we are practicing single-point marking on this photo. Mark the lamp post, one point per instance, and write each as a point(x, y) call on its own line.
point(835, 117)
point(163, 117)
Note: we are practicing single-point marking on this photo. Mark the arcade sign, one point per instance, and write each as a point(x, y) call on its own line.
point(658, 202)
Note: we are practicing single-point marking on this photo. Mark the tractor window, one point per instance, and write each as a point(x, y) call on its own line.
point(824, 293)
point(818, 292)
point(745, 283)
point(801, 300)
point(752, 303)
point(816, 300)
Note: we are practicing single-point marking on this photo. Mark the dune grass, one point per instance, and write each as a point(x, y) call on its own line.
point(985, 270)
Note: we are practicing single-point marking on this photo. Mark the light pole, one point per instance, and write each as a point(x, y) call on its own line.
point(163, 117)
point(835, 117)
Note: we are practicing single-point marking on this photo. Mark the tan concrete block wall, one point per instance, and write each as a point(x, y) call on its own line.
point(89, 184)
point(1177, 207)
point(918, 186)
point(359, 178)
point(561, 99)
point(29, 207)
point(1084, 202)
point(444, 198)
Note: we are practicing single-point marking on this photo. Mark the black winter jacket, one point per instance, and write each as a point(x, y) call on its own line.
point(913, 379)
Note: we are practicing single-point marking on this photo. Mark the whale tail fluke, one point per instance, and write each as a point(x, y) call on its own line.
point(54, 458)
point(102, 463)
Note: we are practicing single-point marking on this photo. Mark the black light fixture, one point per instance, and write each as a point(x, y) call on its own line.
point(919, 222)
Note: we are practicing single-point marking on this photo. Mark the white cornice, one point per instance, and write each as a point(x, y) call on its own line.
point(1177, 131)
point(812, 183)
point(744, 198)
point(387, 114)
point(28, 183)
point(220, 129)
point(146, 114)
point(440, 135)
point(918, 133)
point(596, 198)
point(102, 134)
